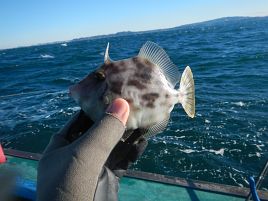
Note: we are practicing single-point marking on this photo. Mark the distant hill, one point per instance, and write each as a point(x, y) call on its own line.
point(235, 21)
point(223, 21)
point(123, 33)
point(216, 22)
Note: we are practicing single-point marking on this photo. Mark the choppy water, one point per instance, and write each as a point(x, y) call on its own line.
point(226, 142)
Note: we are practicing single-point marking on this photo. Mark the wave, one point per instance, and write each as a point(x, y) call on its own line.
point(217, 152)
point(64, 44)
point(46, 56)
point(74, 109)
point(240, 103)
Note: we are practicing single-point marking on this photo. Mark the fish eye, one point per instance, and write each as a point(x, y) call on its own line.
point(100, 75)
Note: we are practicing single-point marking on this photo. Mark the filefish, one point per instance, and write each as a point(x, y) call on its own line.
point(147, 82)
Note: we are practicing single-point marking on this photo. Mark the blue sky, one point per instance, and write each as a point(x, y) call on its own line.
point(28, 22)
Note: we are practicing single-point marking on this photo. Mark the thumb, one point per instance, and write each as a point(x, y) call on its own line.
point(119, 109)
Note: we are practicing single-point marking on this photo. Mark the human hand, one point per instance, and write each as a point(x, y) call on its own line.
point(71, 170)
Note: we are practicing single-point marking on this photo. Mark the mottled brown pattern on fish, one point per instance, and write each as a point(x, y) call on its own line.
point(114, 68)
point(136, 84)
point(116, 87)
point(145, 69)
point(150, 105)
point(150, 96)
point(122, 63)
point(150, 99)
point(144, 64)
point(144, 76)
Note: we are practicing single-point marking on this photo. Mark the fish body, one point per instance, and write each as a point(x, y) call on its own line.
point(146, 81)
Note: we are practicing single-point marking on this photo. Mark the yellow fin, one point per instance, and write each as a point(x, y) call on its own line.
point(187, 92)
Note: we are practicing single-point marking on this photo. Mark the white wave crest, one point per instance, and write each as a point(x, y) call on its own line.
point(240, 103)
point(188, 151)
point(74, 109)
point(207, 121)
point(64, 44)
point(220, 151)
point(46, 56)
point(217, 152)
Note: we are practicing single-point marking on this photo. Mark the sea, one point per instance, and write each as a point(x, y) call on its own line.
point(226, 142)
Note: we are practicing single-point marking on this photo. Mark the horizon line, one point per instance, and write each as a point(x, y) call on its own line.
point(110, 34)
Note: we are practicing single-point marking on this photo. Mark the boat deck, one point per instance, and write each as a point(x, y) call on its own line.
point(136, 185)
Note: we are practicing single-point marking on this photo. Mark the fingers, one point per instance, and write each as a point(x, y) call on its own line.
point(119, 109)
point(124, 154)
point(137, 150)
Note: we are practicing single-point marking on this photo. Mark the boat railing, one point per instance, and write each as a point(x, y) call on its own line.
point(187, 183)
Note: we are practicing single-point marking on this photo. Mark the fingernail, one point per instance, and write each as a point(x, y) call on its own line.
point(120, 109)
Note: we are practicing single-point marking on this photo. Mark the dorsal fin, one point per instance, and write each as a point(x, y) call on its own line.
point(106, 56)
point(159, 57)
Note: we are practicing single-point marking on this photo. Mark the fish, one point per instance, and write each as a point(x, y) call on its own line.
point(148, 82)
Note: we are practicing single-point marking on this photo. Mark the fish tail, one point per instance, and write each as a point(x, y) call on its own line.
point(187, 92)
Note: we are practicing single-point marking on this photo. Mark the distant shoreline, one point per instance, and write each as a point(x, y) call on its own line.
point(128, 33)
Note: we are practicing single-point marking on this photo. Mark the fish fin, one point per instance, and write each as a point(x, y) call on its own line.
point(107, 59)
point(159, 57)
point(157, 128)
point(187, 92)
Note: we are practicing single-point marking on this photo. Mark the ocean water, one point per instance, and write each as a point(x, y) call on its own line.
point(226, 142)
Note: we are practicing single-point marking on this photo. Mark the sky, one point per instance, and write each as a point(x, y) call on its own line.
point(29, 22)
